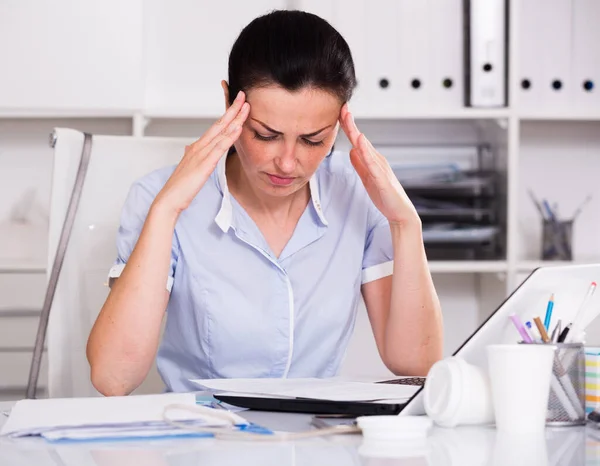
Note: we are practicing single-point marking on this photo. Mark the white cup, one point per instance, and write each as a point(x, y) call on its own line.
point(520, 380)
point(457, 393)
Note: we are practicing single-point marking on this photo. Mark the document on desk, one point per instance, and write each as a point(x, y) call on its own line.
point(330, 389)
point(102, 417)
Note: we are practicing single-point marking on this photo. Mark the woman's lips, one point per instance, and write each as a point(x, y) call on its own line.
point(280, 180)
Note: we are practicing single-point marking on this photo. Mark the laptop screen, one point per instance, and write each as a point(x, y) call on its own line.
point(568, 283)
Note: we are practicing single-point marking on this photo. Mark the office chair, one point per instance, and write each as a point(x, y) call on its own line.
point(101, 169)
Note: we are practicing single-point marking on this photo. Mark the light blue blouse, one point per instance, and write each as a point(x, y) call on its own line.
point(237, 310)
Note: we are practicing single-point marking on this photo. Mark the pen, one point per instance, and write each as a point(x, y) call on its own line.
point(564, 333)
point(556, 331)
point(519, 326)
point(535, 336)
point(581, 206)
point(549, 312)
point(549, 211)
point(542, 329)
point(536, 203)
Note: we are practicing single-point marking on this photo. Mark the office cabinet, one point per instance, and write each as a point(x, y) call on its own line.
point(69, 56)
point(187, 45)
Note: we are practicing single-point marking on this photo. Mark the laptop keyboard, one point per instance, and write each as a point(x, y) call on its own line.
point(406, 381)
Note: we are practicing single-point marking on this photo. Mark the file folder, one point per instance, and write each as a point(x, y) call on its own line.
point(350, 23)
point(544, 56)
point(384, 81)
point(553, 25)
point(485, 53)
point(446, 54)
point(531, 44)
point(585, 52)
point(414, 45)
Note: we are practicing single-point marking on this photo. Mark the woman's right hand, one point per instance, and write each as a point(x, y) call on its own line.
point(201, 158)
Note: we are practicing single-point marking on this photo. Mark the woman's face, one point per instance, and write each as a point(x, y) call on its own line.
point(286, 136)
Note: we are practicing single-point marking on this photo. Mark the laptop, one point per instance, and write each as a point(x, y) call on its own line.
point(322, 407)
point(569, 283)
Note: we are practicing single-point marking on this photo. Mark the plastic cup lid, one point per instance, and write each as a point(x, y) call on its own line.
point(394, 426)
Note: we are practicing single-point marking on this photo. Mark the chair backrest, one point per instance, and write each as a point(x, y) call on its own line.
point(116, 162)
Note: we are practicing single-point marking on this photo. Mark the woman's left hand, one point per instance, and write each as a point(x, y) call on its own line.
point(381, 184)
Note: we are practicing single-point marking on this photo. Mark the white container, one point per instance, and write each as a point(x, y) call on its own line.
point(520, 380)
point(393, 428)
point(458, 393)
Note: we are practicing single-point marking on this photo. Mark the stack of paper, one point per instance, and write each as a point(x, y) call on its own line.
point(318, 389)
point(102, 418)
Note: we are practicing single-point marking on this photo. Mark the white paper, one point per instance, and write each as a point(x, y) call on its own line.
point(33, 417)
point(319, 389)
point(91, 433)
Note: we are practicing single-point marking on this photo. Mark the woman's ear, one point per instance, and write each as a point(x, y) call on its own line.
point(225, 87)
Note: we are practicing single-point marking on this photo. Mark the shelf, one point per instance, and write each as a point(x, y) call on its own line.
point(458, 114)
point(178, 114)
point(18, 113)
point(530, 265)
point(192, 114)
point(567, 116)
point(468, 266)
point(22, 266)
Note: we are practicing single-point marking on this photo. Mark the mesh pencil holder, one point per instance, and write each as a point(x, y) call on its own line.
point(557, 240)
point(566, 403)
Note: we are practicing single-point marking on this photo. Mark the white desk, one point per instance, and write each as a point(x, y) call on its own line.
point(457, 447)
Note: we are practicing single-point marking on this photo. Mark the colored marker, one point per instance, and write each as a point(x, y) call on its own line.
point(519, 326)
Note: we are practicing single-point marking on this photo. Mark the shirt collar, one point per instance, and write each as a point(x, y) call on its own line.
point(224, 217)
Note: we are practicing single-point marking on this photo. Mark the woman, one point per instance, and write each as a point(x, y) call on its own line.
point(265, 250)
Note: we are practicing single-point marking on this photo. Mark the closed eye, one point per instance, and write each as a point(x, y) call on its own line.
point(260, 137)
point(308, 142)
point(312, 143)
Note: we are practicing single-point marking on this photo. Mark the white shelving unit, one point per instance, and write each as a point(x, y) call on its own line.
point(552, 150)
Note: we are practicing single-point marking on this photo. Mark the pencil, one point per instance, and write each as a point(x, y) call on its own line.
point(549, 312)
point(542, 329)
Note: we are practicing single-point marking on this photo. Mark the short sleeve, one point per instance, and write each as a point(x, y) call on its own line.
point(133, 215)
point(378, 258)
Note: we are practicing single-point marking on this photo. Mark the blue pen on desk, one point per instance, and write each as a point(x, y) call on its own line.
point(549, 312)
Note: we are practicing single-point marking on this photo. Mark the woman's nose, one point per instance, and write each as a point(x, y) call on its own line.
point(286, 161)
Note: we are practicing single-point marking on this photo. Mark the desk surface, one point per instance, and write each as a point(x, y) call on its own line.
point(464, 446)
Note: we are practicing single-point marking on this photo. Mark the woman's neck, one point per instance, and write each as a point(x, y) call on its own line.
point(279, 210)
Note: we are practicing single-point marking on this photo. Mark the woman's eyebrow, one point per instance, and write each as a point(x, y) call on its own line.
point(279, 132)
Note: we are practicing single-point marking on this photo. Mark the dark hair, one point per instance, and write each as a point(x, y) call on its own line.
point(292, 49)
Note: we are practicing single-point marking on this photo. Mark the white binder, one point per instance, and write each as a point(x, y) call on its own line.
point(413, 37)
point(585, 77)
point(381, 79)
point(554, 26)
point(485, 53)
point(531, 44)
point(349, 22)
point(445, 24)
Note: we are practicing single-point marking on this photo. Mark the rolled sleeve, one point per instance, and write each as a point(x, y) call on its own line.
point(133, 215)
point(378, 258)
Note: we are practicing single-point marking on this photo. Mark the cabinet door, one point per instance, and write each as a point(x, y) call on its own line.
point(187, 47)
point(70, 55)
